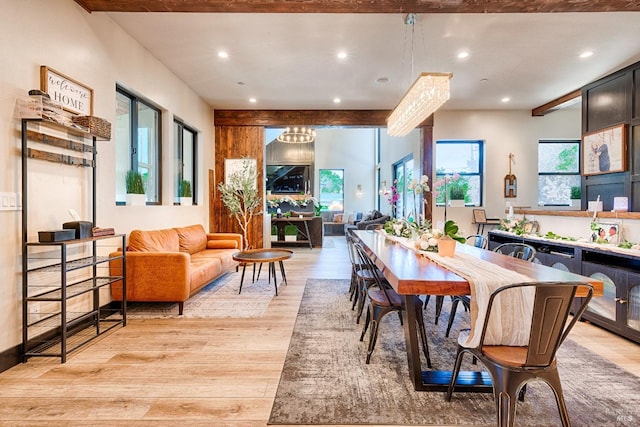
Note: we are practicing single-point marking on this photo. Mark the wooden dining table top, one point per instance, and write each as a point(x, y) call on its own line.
point(410, 273)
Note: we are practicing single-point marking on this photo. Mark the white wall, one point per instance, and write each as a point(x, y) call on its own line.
point(92, 49)
point(354, 151)
point(504, 132)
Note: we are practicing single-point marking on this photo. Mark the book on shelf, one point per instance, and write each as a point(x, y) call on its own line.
point(99, 231)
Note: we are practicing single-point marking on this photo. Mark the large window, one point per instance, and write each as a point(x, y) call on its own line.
point(138, 142)
point(558, 171)
point(186, 157)
point(332, 189)
point(459, 164)
point(402, 176)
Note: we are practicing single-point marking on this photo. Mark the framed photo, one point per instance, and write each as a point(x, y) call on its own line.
point(604, 151)
point(607, 232)
point(74, 96)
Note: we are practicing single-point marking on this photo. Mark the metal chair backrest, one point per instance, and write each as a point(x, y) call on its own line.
point(549, 326)
point(517, 250)
point(369, 265)
point(353, 256)
point(479, 241)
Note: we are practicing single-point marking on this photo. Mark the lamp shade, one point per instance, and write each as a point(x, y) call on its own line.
point(428, 93)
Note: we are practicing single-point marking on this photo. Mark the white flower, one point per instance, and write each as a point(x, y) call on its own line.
point(424, 245)
point(412, 184)
point(397, 228)
point(424, 180)
point(433, 241)
point(437, 233)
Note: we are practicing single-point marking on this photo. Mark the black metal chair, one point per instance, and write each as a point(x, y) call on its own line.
point(383, 299)
point(512, 367)
point(516, 250)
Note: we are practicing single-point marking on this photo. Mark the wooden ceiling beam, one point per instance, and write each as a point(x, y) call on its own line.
point(359, 6)
point(556, 103)
point(277, 118)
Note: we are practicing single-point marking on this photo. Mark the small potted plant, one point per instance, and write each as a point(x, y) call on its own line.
point(457, 196)
point(447, 243)
point(186, 197)
point(135, 188)
point(290, 233)
point(576, 196)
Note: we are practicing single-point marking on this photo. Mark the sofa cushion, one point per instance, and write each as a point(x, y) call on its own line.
point(154, 241)
point(192, 238)
point(222, 244)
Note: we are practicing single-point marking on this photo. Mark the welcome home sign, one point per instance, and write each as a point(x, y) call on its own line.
point(73, 95)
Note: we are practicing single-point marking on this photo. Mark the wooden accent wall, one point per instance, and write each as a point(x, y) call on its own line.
point(610, 101)
point(235, 142)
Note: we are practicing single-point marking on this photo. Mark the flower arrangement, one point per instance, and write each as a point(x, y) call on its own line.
point(393, 196)
point(513, 225)
point(427, 238)
point(400, 228)
point(275, 202)
point(420, 188)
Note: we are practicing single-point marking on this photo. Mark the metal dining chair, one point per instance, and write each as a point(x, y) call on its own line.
point(383, 299)
point(512, 367)
point(516, 250)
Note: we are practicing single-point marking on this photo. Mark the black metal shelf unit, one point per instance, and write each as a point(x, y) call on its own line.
point(65, 284)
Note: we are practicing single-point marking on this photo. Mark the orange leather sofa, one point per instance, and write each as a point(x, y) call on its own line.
point(171, 265)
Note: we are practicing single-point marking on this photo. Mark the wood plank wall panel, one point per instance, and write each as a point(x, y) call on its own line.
point(235, 142)
point(351, 6)
point(359, 118)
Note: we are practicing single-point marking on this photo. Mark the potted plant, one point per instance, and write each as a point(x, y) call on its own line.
point(290, 233)
point(186, 197)
point(134, 183)
point(457, 195)
point(240, 195)
point(447, 243)
point(576, 196)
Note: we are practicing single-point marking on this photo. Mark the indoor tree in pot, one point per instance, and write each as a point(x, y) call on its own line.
point(134, 183)
point(186, 196)
point(240, 195)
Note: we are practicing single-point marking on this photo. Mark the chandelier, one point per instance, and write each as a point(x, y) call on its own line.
point(425, 96)
point(428, 93)
point(297, 135)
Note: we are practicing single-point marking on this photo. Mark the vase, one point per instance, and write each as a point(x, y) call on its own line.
point(455, 203)
point(290, 238)
point(186, 201)
point(136, 199)
point(576, 203)
point(446, 247)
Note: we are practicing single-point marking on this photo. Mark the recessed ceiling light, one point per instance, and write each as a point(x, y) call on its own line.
point(382, 80)
point(253, 100)
point(484, 80)
point(223, 54)
point(241, 83)
point(337, 100)
point(463, 55)
point(342, 55)
point(586, 54)
point(506, 99)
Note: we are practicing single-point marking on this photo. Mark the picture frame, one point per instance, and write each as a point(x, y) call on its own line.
point(606, 232)
point(75, 97)
point(604, 151)
point(232, 166)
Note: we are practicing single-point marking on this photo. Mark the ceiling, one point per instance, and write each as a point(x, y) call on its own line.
point(287, 60)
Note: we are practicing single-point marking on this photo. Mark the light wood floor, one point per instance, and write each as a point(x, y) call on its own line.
point(196, 372)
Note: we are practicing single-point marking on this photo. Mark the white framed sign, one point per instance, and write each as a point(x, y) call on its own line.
point(73, 95)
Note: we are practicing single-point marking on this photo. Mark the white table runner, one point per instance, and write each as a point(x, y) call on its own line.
point(511, 319)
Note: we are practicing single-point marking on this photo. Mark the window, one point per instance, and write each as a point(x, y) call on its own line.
point(462, 162)
point(186, 157)
point(138, 143)
point(402, 176)
point(558, 171)
point(332, 189)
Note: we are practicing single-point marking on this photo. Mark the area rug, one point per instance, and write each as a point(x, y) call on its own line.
point(220, 298)
point(325, 379)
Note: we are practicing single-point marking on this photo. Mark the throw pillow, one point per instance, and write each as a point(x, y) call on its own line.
point(337, 217)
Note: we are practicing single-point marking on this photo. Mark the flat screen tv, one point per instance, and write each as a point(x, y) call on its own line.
point(288, 179)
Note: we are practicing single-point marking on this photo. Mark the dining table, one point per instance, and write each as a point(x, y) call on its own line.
point(412, 274)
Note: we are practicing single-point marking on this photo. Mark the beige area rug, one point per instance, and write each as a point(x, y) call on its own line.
point(325, 379)
point(220, 298)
